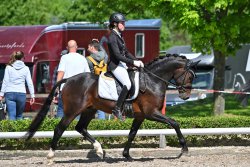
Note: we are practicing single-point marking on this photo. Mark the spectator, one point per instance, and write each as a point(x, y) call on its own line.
point(13, 87)
point(70, 64)
point(98, 54)
point(104, 43)
point(54, 106)
point(54, 78)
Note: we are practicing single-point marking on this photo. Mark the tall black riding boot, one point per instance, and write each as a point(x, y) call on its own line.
point(118, 108)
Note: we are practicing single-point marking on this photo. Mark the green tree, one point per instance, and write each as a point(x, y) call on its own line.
point(31, 12)
point(220, 26)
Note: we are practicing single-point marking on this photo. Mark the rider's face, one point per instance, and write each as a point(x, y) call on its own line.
point(121, 26)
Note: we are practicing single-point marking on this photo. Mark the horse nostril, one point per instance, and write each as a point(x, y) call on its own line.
point(183, 96)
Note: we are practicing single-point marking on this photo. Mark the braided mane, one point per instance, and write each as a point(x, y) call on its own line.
point(164, 60)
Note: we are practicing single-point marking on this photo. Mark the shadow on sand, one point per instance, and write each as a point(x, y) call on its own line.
point(92, 158)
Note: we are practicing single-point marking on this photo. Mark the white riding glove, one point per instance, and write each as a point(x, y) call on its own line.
point(138, 63)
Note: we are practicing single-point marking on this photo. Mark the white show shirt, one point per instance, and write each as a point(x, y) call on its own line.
point(72, 64)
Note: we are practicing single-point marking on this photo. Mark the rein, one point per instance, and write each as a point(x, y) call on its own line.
point(187, 67)
point(166, 82)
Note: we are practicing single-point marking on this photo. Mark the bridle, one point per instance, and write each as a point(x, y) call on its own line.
point(182, 87)
point(187, 70)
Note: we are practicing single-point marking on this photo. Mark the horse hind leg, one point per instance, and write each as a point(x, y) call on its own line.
point(60, 128)
point(157, 116)
point(81, 127)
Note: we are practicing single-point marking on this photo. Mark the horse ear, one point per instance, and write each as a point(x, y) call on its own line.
point(194, 64)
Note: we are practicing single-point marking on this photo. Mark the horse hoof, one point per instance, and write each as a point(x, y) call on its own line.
point(100, 155)
point(51, 154)
point(50, 162)
point(104, 154)
point(184, 150)
point(98, 148)
point(129, 158)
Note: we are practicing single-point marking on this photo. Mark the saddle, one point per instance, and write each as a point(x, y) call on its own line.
point(110, 88)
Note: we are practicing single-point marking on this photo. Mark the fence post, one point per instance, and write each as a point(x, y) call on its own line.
point(162, 143)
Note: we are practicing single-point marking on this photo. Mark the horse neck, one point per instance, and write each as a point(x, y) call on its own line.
point(164, 68)
point(164, 73)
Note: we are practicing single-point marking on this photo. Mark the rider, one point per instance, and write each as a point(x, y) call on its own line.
point(119, 57)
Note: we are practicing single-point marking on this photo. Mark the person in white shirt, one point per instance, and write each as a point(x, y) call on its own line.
point(70, 64)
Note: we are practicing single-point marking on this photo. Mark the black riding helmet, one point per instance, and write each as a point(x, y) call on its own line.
point(116, 17)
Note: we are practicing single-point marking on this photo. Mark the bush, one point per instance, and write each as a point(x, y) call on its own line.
point(108, 142)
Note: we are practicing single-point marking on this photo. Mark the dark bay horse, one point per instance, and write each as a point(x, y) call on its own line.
point(80, 97)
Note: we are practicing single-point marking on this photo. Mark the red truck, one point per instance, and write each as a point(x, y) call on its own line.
point(43, 44)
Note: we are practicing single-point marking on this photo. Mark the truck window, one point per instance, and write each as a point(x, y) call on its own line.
point(81, 51)
point(203, 80)
point(139, 45)
point(42, 77)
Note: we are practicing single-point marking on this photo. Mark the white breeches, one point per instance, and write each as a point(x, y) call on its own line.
point(121, 74)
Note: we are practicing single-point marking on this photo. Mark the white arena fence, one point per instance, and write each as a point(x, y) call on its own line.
point(149, 132)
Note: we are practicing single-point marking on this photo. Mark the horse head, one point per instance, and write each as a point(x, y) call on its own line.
point(183, 76)
point(175, 70)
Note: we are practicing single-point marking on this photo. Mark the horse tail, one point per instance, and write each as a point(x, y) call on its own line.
point(42, 113)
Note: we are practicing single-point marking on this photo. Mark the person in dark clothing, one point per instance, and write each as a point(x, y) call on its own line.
point(119, 58)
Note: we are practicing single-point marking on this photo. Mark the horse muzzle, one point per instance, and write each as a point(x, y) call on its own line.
point(184, 96)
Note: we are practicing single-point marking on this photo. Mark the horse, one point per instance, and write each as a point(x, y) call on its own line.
point(80, 97)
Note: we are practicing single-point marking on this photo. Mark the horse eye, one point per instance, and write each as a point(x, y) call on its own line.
point(172, 81)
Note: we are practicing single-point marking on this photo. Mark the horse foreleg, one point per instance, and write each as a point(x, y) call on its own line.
point(133, 131)
point(81, 127)
point(60, 128)
point(157, 116)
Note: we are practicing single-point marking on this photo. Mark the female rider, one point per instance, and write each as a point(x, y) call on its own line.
point(119, 58)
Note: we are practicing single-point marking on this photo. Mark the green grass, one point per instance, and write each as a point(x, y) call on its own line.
point(203, 108)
